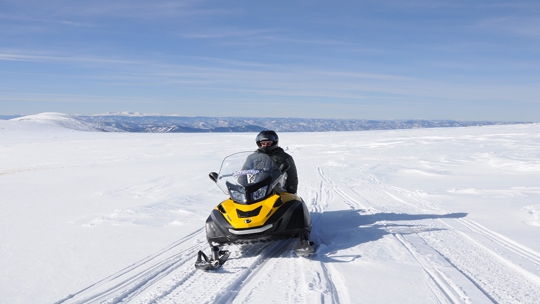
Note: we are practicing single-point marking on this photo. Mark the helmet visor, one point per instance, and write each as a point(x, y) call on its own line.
point(266, 143)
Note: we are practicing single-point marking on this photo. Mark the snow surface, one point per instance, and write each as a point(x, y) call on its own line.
point(405, 216)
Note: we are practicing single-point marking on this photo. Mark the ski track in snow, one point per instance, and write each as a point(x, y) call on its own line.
point(482, 274)
point(459, 266)
point(165, 276)
point(127, 283)
point(457, 276)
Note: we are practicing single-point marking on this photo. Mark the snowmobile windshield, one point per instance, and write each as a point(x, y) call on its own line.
point(248, 177)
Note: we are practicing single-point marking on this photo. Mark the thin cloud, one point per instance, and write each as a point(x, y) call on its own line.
point(224, 33)
point(361, 75)
point(238, 36)
point(26, 18)
point(139, 9)
point(462, 5)
point(279, 80)
point(518, 26)
point(67, 59)
point(71, 98)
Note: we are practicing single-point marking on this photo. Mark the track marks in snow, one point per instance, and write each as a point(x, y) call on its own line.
point(188, 285)
point(448, 284)
point(495, 276)
point(278, 264)
point(476, 270)
point(169, 276)
point(324, 285)
point(329, 185)
point(501, 240)
point(249, 265)
point(124, 285)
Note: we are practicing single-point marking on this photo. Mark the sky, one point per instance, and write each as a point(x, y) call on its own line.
point(465, 60)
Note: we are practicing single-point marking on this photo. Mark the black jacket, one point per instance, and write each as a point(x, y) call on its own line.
point(279, 156)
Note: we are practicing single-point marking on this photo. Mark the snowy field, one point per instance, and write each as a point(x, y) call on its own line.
point(407, 216)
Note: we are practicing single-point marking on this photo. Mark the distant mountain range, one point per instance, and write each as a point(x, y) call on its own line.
point(168, 124)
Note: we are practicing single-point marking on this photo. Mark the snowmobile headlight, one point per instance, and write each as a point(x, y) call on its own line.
point(237, 196)
point(259, 194)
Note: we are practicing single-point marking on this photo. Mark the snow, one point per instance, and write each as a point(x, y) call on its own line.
point(59, 120)
point(449, 215)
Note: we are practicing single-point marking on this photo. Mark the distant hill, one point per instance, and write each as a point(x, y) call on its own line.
point(63, 121)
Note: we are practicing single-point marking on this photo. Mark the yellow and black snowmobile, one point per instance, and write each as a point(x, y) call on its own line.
point(258, 208)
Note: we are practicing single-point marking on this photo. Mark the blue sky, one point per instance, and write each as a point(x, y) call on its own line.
point(467, 60)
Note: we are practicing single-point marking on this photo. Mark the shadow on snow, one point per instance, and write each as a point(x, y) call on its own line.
point(342, 229)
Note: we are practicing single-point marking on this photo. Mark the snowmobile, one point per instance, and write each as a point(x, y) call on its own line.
point(258, 208)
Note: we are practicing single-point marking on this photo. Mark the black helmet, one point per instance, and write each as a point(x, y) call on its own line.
point(267, 135)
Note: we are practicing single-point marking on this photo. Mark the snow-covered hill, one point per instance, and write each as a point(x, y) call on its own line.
point(63, 121)
point(444, 215)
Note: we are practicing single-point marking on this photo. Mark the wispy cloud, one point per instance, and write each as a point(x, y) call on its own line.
point(524, 26)
point(46, 11)
point(225, 33)
point(7, 56)
point(26, 18)
point(257, 37)
point(280, 80)
point(72, 98)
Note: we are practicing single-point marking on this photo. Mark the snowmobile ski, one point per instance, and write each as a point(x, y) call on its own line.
point(219, 257)
point(304, 249)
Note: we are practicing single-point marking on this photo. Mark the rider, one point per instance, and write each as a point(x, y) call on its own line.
point(267, 141)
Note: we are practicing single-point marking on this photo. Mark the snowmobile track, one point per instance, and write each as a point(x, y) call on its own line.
point(249, 276)
point(131, 281)
point(443, 287)
point(515, 247)
point(227, 280)
point(447, 241)
point(155, 280)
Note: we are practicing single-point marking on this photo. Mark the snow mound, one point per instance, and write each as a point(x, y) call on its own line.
point(533, 210)
point(59, 120)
